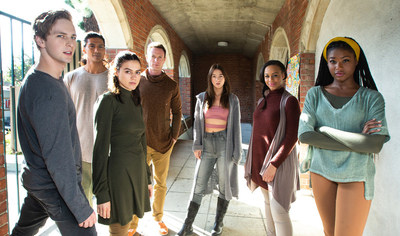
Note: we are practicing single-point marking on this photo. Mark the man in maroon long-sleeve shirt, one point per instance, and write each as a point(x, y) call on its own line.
point(160, 97)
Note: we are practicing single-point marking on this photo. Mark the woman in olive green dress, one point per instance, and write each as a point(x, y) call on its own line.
point(121, 177)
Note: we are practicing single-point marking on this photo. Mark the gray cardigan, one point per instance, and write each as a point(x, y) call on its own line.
point(233, 141)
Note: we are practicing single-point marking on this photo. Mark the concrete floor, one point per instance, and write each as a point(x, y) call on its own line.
point(245, 215)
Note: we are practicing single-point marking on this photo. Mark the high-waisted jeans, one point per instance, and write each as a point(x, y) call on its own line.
point(214, 152)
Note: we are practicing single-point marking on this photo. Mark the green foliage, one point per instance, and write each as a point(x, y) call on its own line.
point(8, 143)
point(69, 3)
point(9, 150)
point(81, 25)
point(18, 76)
point(81, 6)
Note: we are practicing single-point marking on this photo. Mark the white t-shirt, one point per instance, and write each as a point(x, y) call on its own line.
point(84, 89)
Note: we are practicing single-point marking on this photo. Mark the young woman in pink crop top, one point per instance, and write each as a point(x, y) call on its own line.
point(215, 118)
point(217, 142)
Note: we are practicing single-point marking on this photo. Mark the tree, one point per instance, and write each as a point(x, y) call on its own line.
point(18, 76)
point(89, 22)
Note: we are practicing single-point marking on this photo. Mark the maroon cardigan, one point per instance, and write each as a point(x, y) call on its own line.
point(265, 123)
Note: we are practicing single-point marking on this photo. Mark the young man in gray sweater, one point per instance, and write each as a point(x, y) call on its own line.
point(49, 138)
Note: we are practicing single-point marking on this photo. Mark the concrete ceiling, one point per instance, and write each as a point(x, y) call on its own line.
point(203, 23)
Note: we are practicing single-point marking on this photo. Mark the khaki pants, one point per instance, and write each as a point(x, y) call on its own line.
point(121, 230)
point(160, 163)
point(87, 183)
point(134, 223)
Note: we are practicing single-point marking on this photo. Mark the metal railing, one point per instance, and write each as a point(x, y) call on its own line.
point(12, 96)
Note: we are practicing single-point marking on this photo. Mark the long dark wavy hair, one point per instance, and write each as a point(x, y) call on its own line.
point(113, 82)
point(362, 75)
point(210, 93)
point(262, 79)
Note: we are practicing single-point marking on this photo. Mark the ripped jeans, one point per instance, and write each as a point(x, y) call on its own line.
point(214, 152)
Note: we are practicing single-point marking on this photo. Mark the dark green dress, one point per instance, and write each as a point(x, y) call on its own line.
point(120, 172)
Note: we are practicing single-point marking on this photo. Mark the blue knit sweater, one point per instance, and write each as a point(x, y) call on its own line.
point(344, 166)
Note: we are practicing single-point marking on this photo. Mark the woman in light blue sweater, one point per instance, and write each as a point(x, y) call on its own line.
point(343, 121)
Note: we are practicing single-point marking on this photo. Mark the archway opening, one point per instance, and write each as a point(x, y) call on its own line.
point(260, 64)
point(158, 34)
point(280, 49)
point(185, 84)
point(113, 23)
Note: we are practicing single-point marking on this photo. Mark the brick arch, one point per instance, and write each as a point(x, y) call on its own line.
point(260, 64)
point(307, 46)
point(312, 24)
point(184, 65)
point(113, 23)
point(185, 83)
point(159, 34)
point(280, 47)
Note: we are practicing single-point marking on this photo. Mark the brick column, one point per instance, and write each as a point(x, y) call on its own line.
point(112, 52)
point(170, 73)
point(3, 191)
point(185, 91)
point(307, 75)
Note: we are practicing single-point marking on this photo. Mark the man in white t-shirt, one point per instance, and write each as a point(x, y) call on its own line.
point(85, 84)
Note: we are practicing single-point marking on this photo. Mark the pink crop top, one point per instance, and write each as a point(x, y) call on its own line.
point(216, 117)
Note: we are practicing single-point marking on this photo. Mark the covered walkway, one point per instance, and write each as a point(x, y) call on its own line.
point(242, 35)
point(245, 216)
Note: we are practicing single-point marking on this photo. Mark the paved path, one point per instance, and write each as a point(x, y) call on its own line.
point(245, 216)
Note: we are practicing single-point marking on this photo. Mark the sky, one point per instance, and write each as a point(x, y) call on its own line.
point(27, 10)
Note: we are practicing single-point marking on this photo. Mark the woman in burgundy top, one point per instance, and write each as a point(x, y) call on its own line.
point(272, 159)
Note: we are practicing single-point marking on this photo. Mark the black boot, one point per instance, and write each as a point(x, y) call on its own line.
point(187, 228)
point(222, 206)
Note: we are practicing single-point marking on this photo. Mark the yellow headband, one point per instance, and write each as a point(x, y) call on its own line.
point(350, 42)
